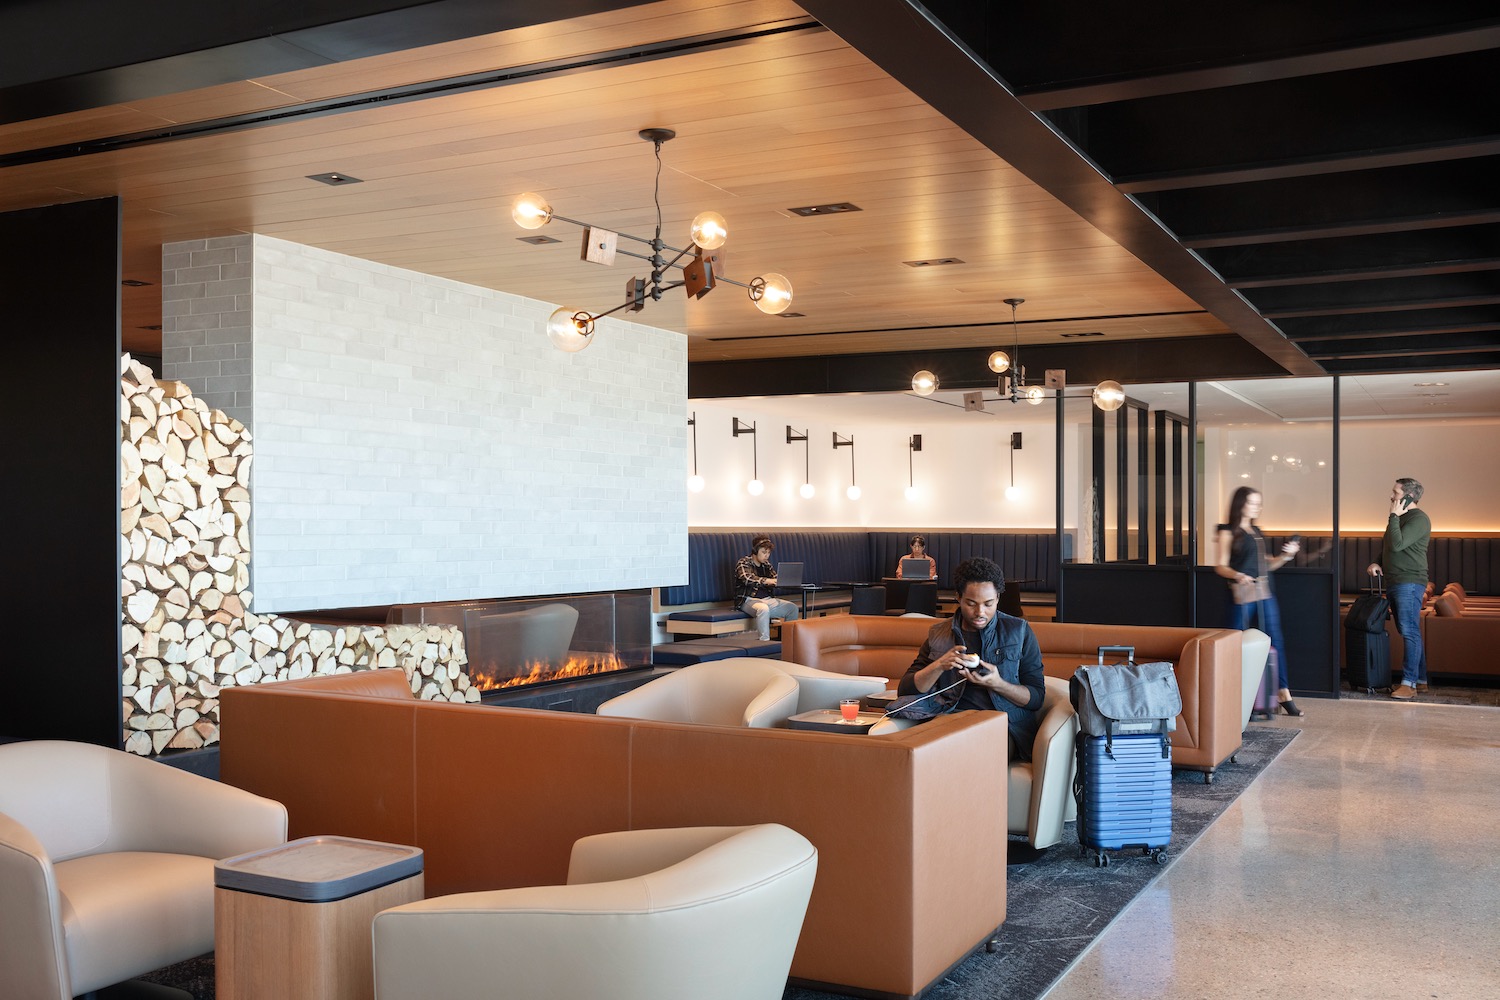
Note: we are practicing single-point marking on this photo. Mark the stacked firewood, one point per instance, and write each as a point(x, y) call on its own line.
point(187, 627)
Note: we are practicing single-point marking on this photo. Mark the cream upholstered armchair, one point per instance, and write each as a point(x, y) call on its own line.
point(740, 691)
point(1040, 791)
point(1255, 650)
point(107, 864)
point(678, 914)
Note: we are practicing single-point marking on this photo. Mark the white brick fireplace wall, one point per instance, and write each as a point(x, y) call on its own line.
point(420, 439)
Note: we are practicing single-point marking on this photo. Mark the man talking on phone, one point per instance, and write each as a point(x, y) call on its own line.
point(982, 658)
point(1403, 561)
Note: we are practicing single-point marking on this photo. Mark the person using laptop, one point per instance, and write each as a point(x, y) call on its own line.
point(755, 588)
point(906, 567)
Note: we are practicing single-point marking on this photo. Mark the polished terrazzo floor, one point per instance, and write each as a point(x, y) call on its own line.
point(1363, 863)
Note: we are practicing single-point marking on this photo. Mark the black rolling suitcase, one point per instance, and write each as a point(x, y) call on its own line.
point(1367, 646)
point(1123, 782)
point(1368, 656)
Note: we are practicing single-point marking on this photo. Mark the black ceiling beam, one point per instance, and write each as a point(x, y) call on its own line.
point(1331, 60)
point(1377, 116)
point(1394, 199)
point(1425, 292)
point(1474, 361)
point(1168, 359)
point(1449, 320)
point(924, 55)
point(1386, 347)
point(1043, 46)
point(1377, 255)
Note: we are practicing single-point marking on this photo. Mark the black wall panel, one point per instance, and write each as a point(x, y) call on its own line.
point(60, 285)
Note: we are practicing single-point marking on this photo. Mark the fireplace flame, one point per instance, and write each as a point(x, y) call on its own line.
point(536, 671)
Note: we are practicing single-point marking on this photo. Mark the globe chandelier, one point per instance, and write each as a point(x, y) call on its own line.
point(572, 329)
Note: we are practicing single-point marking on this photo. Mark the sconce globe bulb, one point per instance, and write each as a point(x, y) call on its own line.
point(924, 383)
point(911, 493)
point(1012, 492)
point(695, 484)
point(854, 493)
point(755, 487)
point(807, 491)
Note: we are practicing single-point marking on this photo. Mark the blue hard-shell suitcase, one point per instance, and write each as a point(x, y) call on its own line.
point(1124, 794)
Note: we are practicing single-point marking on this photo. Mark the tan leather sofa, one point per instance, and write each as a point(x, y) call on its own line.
point(1458, 641)
point(673, 915)
point(107, 864)
point(496, 798)
point(1207, 663)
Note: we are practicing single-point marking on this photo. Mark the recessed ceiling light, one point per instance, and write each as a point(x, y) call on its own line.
point(538, 240)
point(1090, 333)
point(1430, 394)
point(833, 208)
point(792, 315)
point(134, 282)
point(1424, 385)
point(335, 178)
point(933, 262)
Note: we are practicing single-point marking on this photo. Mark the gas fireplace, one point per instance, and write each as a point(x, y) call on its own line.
point(524, 642)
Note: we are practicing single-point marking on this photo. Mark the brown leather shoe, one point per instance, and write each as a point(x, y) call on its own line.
point(1403, 692)
point(1420, 688)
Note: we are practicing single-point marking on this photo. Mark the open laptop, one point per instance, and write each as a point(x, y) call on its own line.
point(789, 574)
point(915, 569)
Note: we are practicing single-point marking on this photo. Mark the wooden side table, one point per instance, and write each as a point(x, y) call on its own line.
point(293, 922)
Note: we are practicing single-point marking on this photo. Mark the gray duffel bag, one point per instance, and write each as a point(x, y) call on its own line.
point(1125, 698)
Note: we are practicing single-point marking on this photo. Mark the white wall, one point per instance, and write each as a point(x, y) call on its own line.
point(418, 439)
point(961, 472)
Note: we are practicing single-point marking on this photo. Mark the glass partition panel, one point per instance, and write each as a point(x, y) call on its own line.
point(1275, 436)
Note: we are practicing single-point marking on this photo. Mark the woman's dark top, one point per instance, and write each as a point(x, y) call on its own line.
point(1244, 554)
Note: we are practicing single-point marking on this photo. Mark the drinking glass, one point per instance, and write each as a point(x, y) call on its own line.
point(849, 709)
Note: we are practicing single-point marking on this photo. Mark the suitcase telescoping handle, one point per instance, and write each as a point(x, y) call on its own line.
point(1127, 651)
point(1377, 584)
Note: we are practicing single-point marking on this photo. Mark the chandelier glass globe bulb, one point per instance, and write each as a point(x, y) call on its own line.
point(924, 383)
point(709, 230)
point(999, 362)
point(755, 487)
point(570, 329)
point(1109, 395)
point(807, 491)
point(854, 493)
point(531, 211)
point(1034, 394)
point(771, 293)
point(695, 484)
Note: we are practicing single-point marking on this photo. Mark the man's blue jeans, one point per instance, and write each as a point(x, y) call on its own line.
point(1266, 616)
point(1406, 602)
point(764, 609)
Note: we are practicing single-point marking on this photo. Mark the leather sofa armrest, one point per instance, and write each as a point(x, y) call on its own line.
point(31, 936)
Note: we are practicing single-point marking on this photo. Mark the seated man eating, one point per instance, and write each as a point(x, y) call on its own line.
point(982, 658)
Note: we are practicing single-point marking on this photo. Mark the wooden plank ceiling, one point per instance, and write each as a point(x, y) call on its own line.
point(772, 112)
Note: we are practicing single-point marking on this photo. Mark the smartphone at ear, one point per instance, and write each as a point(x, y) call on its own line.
point(1406, 503)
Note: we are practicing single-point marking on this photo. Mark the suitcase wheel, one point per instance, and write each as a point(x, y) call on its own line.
point(1159, 856)
point(1100, 859)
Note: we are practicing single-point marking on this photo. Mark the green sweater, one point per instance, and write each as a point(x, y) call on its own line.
point(1404, 554)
